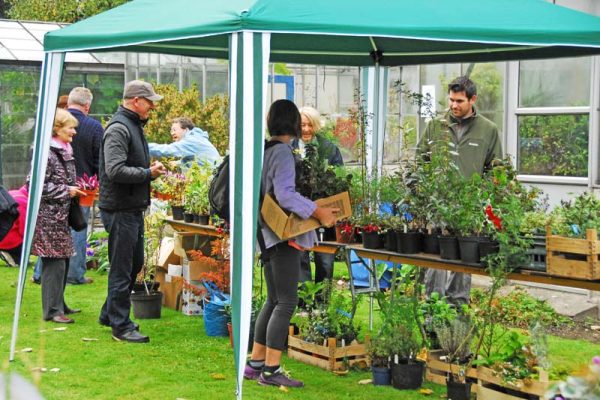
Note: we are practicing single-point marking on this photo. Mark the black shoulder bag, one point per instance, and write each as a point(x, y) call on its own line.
point(76, 219)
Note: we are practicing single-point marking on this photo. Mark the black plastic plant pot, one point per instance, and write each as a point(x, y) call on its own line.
point(187, 217)
point(408, 376)
point(371, 240)
point(381, 376)
point(469, 249)
point(412, 242)
point(177, 212)
point(458, 390)
point(390, 241)
point(431, 244)
point(202, 219)
point(487, 247)
point(449, 249)
point(146, 306)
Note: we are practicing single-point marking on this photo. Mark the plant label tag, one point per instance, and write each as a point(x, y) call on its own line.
point(474, 144)
point(395, 358)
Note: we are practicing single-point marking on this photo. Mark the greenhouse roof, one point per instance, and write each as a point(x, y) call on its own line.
point(23, 41)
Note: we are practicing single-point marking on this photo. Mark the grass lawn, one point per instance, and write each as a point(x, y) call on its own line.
point(180, 362)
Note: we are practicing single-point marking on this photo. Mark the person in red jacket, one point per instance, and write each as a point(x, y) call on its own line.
point(11, 244)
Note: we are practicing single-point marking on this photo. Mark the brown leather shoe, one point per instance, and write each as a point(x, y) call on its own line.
point(69, 311)
point(61, 319)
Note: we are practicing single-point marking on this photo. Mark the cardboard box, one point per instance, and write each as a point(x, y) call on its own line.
point(191, 304)
point(287, 225)
point(167, 253)
point(172, 289)
point(192, 270)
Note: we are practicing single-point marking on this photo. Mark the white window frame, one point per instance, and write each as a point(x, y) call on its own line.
point(513, 112)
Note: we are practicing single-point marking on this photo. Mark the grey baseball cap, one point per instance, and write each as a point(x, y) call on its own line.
point(140, 89)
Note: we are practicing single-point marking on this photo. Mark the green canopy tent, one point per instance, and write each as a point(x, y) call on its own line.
point(251, 33)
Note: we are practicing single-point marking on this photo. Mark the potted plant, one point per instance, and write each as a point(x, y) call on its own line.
point(173, 187)
point(370, 228)
point(401, 327)
point(88, 185)
point(379, 354)
point(148, 301)
point(197, 183)
point(455, 338)
point(97, 251)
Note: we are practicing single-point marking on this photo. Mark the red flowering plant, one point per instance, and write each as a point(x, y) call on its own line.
point(368, 223)
point(217, 264)
point(86, 182)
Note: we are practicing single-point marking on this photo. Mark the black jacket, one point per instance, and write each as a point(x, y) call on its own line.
point(9, 211)
point(326, 147)
point(124, 164)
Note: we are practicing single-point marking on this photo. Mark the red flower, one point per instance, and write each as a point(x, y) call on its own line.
point(493, 217)
point(370, 228)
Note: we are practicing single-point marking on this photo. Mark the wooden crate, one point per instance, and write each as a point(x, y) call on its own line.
point(491, 387)
point(559, 248)
point(437, 370)
point(329, 357)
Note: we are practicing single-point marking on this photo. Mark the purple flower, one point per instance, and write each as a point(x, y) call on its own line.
point(596, 360)
point(89, 252)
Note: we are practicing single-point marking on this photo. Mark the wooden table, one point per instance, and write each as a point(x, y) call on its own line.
point(190, 228)
point(433, 261)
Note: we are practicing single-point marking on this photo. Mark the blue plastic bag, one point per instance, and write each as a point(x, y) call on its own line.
point(215, 318)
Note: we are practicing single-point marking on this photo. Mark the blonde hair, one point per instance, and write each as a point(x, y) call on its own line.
point(313, 117)
point(63, 118)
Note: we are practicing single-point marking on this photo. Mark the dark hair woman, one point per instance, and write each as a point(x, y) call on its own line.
point(282, 269)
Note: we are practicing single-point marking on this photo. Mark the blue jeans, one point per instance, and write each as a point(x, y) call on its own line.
point(77, 267)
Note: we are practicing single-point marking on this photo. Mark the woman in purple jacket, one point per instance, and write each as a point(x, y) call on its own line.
point(52, 238)
point(282, 269)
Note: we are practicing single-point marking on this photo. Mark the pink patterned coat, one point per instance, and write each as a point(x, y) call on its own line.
point(52, 237)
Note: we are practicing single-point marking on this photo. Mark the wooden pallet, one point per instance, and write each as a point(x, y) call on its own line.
point(329, 357)
point(559, 248)
point(437, 370)
point(491, 387)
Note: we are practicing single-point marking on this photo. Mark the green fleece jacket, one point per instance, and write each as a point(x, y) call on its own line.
point(478, 146)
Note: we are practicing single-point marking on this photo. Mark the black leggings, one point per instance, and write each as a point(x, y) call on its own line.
point(281, 275)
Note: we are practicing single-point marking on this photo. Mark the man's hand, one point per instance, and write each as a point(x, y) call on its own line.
point(326, 215)
point(157, 169)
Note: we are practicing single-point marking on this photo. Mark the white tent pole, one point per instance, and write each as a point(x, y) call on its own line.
point(47, 99)
point(374, 84)
point(249, 56)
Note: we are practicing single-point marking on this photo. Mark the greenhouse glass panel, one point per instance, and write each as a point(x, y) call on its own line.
point(553, 145)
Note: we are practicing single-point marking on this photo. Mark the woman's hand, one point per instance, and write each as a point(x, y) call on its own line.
point(74, 191)
point(326, 215)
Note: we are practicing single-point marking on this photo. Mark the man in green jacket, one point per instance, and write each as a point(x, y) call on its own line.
point(477, 145)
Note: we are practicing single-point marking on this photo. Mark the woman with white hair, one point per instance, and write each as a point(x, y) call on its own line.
point(310, 126)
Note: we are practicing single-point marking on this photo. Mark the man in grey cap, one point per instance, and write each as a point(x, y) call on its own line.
point(125, 175)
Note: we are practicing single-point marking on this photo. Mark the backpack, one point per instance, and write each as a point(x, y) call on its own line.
point(218, 192)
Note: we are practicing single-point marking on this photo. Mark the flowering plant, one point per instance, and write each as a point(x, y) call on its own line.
point(171, 184)
point(493, 218)
point(584, 385)
point(86, 182)
point(97, 249)
point(369, 228)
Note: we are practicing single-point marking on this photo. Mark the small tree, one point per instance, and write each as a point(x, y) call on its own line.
point(59, 10)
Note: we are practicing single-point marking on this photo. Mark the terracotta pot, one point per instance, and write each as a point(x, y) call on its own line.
point(88, 199)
